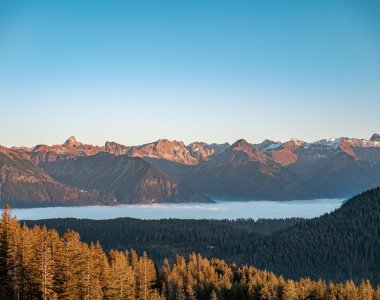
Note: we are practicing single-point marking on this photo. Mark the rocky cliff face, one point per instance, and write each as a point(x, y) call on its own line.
point(116, 149)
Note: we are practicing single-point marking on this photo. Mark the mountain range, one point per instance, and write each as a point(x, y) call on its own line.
point(74, 173)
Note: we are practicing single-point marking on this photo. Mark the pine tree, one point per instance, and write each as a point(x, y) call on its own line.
point(146, 277)
point(39, 264)
point(43, 264)
point(25, 258)
point(366, 291)
point(96, 272)
point(287, 290)
point(122, 280)
point(376, 295)
point(190, 294)
point(10, 232)
point(164, 277)
point(102, 266)
point(74, 265)
point(213, 296)
point(180, 293)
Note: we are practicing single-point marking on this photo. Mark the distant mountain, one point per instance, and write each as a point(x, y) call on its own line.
point(333, 167)
point(169, 150)
point(243, 172)
point(329, 168)
point(22, 183)
point(342, 175)
point(291, 170)
point(71, 149)
point(129, 179)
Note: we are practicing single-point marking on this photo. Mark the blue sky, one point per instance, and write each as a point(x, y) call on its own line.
point(137, 71)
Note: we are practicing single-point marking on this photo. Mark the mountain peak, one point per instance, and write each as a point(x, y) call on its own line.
point(163, 142)
point(297, 142)
point(72, 142)
point(110, 144)
point(167, 142)
point(375, 137)
point(293, 144)
point(242, 145)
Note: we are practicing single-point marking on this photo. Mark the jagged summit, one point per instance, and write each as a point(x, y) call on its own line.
point(72, 142)
point(296, 142)
point(375, 137)
point(242, 145)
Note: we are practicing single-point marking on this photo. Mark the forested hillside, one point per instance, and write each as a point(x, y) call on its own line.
point(36, 263)
point(340, 245)
point(231, 240)
point(344, 244)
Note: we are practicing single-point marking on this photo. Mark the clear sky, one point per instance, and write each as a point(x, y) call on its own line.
point(137, 71)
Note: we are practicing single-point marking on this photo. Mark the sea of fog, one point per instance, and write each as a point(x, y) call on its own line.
point(218, 210)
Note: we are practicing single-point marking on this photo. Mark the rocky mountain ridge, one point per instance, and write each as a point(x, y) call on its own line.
point(174, 171)
point(197, 152)
point(24, 184)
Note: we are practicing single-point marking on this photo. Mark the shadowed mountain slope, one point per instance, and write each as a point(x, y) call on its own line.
point(243, 172)
point(130, 179)
point(22, 183)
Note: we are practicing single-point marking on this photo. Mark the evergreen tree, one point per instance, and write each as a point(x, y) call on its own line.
point(9, 258)
point(37, 263)
point(366, 291)
point(122, 280)
point(213, 296)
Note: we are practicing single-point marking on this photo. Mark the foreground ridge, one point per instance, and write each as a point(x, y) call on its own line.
point(37, 263)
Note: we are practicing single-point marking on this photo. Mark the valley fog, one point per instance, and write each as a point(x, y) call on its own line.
point(219, 210)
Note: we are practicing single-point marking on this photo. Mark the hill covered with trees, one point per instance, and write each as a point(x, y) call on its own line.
point(166, 238)
point(342, 245)
point(37, 263)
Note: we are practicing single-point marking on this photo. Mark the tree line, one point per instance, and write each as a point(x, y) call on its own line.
point(338, 246)
point(38, 263)
point(165, 238)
